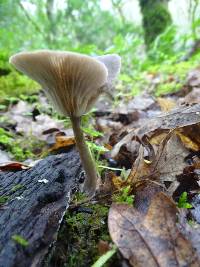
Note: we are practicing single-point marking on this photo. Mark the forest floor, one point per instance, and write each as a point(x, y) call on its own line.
point(147, 152)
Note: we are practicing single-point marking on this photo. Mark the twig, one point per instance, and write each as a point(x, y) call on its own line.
point(29, 18)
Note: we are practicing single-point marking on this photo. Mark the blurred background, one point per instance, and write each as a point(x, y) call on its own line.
point(145, 33)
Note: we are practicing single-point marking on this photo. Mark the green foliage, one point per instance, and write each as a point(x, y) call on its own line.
point(163, 47)
point(84, 230)
point(15, 84)
point(20, 240)
point(12, 83)
point(63, 29)
point(5, 137)
point(183, 201)
point(3, 200)
point(123, 196)
point(93, 133)
point(156, 18)
point(17, 147)
point(16, 187)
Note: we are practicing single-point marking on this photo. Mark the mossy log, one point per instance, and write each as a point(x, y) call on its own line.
point(156, 18)
point(35, 202)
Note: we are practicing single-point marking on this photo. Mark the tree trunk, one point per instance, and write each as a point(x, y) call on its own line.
point(156, 18)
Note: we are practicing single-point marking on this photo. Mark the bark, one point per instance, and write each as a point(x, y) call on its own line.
point(35, 210)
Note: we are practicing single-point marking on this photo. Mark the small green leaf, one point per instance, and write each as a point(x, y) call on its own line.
point(104, 258)
point(183, 201)
point(91, 132)
point(124, 196)
point(20, 240)
point(97, 148)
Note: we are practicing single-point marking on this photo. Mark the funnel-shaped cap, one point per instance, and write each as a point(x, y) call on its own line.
point(72, 81)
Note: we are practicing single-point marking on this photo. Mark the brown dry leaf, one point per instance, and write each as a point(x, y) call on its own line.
point(169, 162)
point(141, 170)
point(117, 182)
point(191, 231)
point(157, 137)
point(170, 159)
point(166, 104)
point(103, 247)
point(188, 142)
point(151, 240)
point(144, 194)
point(190, 136)
point(193, 78)
point(13, 166)
point(192, 97)
point(63, 141)
point(179, 117)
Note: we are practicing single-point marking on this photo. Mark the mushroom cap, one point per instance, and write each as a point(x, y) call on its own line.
point(72, 81)
point(113, 65)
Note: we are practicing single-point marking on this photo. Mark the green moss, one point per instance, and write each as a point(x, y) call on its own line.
point(3, 200)
point(5, 137)
point(15, 84)
point(124, 196)
point(5, 67)
point(12, 83)
point(20, 149)
point(156, 18)
point(77, 241)
point(16, 187)
point(164, 78)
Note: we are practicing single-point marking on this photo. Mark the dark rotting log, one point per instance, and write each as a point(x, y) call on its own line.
point(35, 202)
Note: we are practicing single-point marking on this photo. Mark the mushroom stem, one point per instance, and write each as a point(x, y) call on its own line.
point(86, 157)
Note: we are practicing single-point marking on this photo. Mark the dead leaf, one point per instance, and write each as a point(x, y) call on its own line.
point(171, 159)
point(166, 104)
point(62, 141)
point(189, 143)
point(13, 166)
point(179, 117)
point(151, 240)
point(190, 136)
point(193, 78)
point(190, 230)
point(169, 162)
point(192, 97)
point(144, 194)
point(103, 247)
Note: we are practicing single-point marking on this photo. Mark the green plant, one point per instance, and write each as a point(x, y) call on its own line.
point(16, 146)
point(84, 229)
point(15, 84)
point(6, 137)
point(3, 199)
point(183, 201)
point(105, 257)
point(16, 187)
point(123, 196)
point(20, 240)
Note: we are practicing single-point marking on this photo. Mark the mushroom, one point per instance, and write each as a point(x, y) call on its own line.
point(72, 82)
